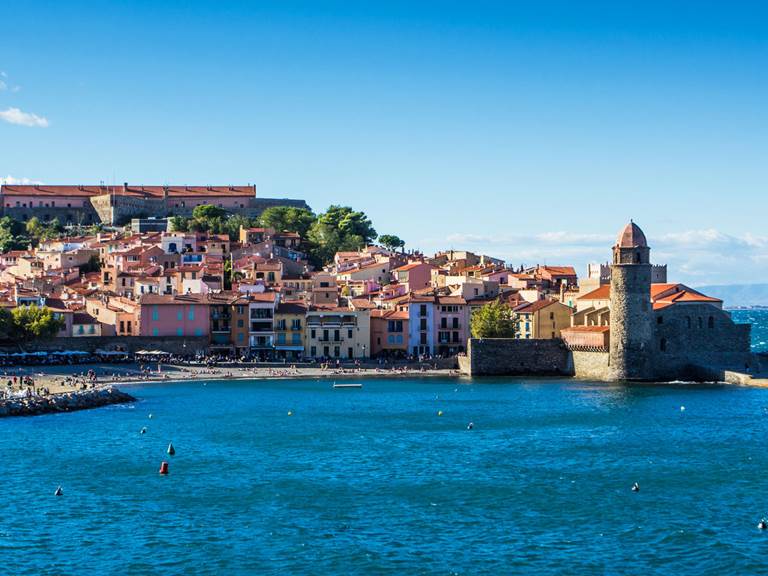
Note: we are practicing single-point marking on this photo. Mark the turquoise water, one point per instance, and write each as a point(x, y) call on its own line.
point(373, 481)
point(759, 320)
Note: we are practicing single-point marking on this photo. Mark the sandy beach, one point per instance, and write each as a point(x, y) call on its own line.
point(66, 378)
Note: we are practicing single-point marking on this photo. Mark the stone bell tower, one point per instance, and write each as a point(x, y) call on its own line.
point(631, 314)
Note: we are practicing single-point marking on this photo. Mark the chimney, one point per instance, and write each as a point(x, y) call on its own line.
point(125, 187)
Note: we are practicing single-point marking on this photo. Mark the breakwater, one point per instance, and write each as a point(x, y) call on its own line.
point(67, 402)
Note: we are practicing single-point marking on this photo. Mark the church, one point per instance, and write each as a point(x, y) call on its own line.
point(633, 329)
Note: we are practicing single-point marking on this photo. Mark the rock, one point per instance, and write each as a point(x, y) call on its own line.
point(66, 402)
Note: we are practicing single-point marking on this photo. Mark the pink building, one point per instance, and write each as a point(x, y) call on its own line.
point(413, 276)
point(179, 315)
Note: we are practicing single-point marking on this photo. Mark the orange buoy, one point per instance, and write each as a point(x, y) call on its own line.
point(164, 467)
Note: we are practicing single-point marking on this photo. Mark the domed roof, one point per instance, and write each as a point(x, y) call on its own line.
point(632, 237)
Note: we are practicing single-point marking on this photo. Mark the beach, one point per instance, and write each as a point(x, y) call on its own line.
point(57, 379)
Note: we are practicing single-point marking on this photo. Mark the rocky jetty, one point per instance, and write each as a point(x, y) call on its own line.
point(67, 402)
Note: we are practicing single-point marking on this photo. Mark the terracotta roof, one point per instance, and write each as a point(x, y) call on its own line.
point(130, 190)
point(587, 329)
point(632, 237)
point(291, 308)
point(173, 299)
point(531, 307)
point(602, 293)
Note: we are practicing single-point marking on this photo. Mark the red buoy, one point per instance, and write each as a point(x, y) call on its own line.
point(164, 467)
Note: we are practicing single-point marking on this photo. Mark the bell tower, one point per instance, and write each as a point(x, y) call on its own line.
point(631, 314)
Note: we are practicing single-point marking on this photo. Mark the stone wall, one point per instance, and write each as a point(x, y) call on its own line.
point(170, 344)
point(631, 332)
point(592, 365)
point(693, 340)
point(509, 356)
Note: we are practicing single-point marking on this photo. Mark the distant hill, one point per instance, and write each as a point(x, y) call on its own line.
point(738, 294)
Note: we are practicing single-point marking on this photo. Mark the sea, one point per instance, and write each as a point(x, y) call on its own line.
point(758, 317)
point(296, 477)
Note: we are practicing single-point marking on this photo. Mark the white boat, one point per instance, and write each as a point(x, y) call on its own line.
point(347, 385)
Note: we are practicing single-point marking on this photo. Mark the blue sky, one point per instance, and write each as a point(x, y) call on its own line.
point(529, 131)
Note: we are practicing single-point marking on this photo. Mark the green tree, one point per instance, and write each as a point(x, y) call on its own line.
point(6, 324)
point(391, 242)
point(339, 229)
point(12, 235)
point(34, 227)
point(494, 320)
point(33, 322)
point(288, 219)
point(179, 224)
point(93, 265)
point(233, 224)
point(208, 212)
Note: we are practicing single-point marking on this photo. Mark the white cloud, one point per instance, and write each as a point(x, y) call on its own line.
point(16, 116)
point(697, 257)
point(12, 180)
point(3, 86)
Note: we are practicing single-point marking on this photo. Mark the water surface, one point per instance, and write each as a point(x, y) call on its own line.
point(373, 481)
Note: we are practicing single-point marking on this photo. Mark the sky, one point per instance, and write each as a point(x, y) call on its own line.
point(531, 131)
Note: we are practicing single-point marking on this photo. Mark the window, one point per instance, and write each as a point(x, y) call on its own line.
point(240, 336)
point(179, 315)
point(155, 313)
point(663, 345)
point(660, 320)
point(155, 332)
point(349, 333)
point(711, 322)
point(349, 353)
point(240, 323)
point(551, 315)
point(198, 331)
point(312, 334)
point(688, 321)
point(336, 351)
point(313, 351)
point(179, 331)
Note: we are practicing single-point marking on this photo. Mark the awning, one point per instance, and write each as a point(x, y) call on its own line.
point(294, 348)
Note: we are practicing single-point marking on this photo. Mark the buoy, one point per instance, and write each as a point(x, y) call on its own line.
point(144, 430)
point(171, 449)
point(58, 492)
point(470, 426)
point(762, 525)
point(290, 413)
point(164, 468)
point(635, 487)
point(682, 408)
point(150, 415)
point(439, 412)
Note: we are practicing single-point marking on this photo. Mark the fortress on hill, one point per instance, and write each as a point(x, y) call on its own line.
point(632, 329)
point(115, 205)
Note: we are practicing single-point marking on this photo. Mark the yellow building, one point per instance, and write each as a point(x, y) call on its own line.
point(542, 319)
point(337, 333)
point(289, 330)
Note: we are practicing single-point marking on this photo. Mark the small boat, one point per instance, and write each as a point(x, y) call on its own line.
point(347, 385)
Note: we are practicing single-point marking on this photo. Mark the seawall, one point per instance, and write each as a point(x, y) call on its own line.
point(510, 356)
point(67, 402)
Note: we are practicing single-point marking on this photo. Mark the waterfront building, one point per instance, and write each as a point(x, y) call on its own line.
point(261, 330)
point(289, 330)
point(389, 334)
point(175, 315)
point(334, 332)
